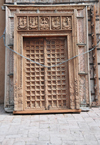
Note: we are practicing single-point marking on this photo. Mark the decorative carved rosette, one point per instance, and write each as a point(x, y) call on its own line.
point(72, 97)
point(66, 23)
point(22, 23)
point(44, 23)
point(76, 95)
point(15, 97)
point(20, 99)
point(33, 23)
point(55, 23)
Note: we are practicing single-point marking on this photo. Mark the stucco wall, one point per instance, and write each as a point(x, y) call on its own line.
point(2, 53)
point(49, 1)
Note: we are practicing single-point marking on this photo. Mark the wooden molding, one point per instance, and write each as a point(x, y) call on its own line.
point(48, 111)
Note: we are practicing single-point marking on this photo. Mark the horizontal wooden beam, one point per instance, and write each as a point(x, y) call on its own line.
point(83, 73)
point(80, 17)
point(93, 63)
point(81, 44)
point(47, 111)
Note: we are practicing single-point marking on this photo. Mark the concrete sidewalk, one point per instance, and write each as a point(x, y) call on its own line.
point(52, 129)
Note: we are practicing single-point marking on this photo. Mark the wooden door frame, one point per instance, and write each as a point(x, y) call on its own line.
point(71, 36)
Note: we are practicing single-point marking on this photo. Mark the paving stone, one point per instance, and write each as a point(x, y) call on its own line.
point(55, 140)
point(89, 137)
point(43, 118)
point(33, 135)
point(52, 129)
point(19, 143)
point(26, 139)
point(35, 118)
point(95, 129)
point(8, 142)
point(23, 131)
point(92, 142)
point(13, 130)
point(2, 137)
point(68, 143)
point(38, 143)
point(61, 118)
point(15, 136)
point(80, 142)
point(44, 136)
point(52, 118)
point(44, 125)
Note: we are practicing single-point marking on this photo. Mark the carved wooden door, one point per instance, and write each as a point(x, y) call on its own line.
point(45, 88)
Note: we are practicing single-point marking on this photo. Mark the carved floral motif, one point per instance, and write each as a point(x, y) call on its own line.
point(55, 23)
point(44, 23)
point(66, 23)
point(72, 96)
point(76, 95)
point(22, 23)
point(33, 23)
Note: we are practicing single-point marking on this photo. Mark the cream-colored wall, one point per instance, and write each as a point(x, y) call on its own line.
point(2, 53)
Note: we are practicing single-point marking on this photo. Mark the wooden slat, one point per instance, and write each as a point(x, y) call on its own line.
point(48, 111)
point(45, 75)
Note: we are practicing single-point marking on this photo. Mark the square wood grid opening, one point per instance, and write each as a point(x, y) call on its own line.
point(45, 88)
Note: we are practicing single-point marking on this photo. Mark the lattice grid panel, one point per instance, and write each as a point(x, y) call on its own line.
point(82, 60)
point(34, 79)
point(45, 88)
point(56, 76)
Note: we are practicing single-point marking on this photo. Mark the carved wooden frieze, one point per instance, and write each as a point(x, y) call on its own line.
point(44, 23)
point(55, 23)
point(22, 23)
point(66, 23)
point(33, 23)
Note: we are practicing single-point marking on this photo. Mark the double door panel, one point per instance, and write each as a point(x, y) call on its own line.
point(45, 88)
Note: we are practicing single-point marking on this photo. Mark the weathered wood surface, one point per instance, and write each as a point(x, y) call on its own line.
point(94, 28)
point(48, 111)
point(82, 69)
point(61, 25)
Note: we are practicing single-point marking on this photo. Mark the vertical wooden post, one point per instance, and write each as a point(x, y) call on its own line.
point(94, 43)
point(75, 52)
point(45, 70)
point(87, 47)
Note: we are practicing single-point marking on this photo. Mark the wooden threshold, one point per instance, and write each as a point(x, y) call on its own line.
point(47, 111)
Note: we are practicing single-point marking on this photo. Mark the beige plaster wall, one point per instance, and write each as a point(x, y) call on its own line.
point(2, 53)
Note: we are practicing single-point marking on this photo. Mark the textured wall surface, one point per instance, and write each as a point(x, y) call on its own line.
point(2, 53)
point(49, 1)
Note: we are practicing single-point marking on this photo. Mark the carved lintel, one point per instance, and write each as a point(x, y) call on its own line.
point(44, 22)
